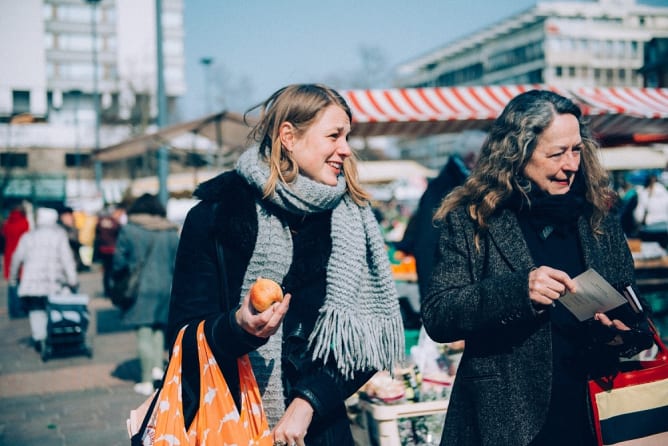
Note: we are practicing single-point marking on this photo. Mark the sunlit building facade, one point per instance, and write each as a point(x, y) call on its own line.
point(565, 44)
point(52, 51)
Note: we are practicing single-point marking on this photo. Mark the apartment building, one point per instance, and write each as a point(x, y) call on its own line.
point(59, 57)
point(565, 44)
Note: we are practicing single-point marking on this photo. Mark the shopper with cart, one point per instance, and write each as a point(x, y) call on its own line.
point(48, 268)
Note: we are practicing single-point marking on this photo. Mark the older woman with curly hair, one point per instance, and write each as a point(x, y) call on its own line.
point(533, 214)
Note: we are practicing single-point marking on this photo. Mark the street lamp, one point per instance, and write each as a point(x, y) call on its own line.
point(163, 155)
point(96, 91)
point(76, 96)
point(206, 63)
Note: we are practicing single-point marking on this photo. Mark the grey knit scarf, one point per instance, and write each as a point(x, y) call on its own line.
point(359, 323)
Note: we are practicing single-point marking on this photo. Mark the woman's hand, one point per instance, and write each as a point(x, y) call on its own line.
point(291, 428)
point(262, 324)
point(548, 284)
point(612, 324)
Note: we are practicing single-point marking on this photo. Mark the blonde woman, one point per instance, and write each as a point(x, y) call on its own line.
point(293, 211)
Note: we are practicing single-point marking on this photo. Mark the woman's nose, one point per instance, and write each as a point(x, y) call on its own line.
point(572, 161)
point(344, 148)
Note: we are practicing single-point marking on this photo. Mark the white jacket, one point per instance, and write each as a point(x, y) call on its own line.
point(654, 204)
point(46, 257)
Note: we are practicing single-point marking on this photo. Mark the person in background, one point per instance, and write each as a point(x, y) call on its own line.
point(627, 206)
point(651, 213)
point(421, 236)
point(151, 240)
point(47, 267)
point(293, 211)
point(13, 228)
point(66, 221)
point(533, 214)
point(106, 232)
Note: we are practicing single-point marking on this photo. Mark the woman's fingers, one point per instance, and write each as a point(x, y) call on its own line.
point(548, 284)
point(614, 323)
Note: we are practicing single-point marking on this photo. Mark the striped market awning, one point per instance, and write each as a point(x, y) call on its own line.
point(627, 115)
point(613, 112)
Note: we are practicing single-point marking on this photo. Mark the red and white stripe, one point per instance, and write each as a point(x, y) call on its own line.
point(424, 111)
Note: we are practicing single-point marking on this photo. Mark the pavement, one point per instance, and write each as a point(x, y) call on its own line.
point(68, 400)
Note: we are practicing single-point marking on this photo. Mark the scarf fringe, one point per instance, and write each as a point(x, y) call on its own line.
point(376, 344)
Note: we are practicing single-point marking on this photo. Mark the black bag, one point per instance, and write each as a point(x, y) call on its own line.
point(124, 287)
point(125, 283)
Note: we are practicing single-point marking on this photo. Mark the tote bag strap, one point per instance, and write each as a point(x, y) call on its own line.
point(191, 375)
point(190, 361)
point(662, 354)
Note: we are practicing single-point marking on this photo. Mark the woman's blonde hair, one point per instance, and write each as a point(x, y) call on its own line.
point(506, 151)
point(300, 105)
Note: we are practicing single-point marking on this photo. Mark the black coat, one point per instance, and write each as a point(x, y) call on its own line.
point(421, 236)
point(227, 214)
point(503, 384)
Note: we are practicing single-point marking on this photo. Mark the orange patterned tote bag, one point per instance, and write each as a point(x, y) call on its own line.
point(217, 420)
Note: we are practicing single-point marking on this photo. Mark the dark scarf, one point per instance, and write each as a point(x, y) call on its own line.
point(551, 213)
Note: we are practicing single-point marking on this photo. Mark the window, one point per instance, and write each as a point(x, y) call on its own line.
point(21, 101)
point(596, 47)
point(571, 71)
point(76, 42)
point(173, 47)
point(71, 159)
point(77, 71)
point(75, 13)
point(171, 19)
point(14, 159)
point(558, 71)
point(619, 48)
point(49, 41)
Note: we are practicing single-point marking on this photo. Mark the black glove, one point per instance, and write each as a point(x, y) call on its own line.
point(625, 343)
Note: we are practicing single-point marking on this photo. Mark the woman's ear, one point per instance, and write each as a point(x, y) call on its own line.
point(286, 133)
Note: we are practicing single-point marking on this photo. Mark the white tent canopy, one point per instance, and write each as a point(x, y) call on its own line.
point(633, 158)
point(387, 171)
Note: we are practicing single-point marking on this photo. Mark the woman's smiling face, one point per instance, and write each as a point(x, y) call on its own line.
point(556, 159)
point(321, 149)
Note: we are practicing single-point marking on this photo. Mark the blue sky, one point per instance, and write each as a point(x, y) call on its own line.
point(258, 46)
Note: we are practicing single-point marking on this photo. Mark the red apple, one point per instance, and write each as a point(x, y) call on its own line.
point(264, 293)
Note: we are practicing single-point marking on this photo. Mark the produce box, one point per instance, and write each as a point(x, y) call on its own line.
point(405, 424)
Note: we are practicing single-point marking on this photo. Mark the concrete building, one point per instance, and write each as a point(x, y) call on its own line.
point(58, 57)
point(655, 69)
point(563, 44)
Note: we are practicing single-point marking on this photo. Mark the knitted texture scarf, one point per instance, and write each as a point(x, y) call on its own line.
point(552, 213)
point(359, 323)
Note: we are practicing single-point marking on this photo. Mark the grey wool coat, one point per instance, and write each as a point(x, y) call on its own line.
point(155, 283)
point(502, 389)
